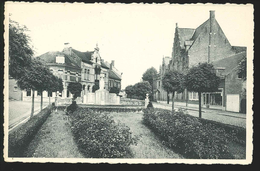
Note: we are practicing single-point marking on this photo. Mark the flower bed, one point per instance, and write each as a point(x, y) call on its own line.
point(98, 136)
point(19, 139)
point(191, 136)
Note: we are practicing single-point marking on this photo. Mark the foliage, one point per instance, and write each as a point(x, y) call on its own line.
point(98, 136)
point(141, 89)
point(129, 90)
point(20, 52)
point(95, 87)
point(189, 135)
point(115, 90)
point(202, 78)
point(242, 69)
point(20, 138)
point(150, 75)
point(173, 81)
point(75, 89)
point(71, 108)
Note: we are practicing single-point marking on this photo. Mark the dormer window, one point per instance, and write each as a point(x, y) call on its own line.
point(60, 59)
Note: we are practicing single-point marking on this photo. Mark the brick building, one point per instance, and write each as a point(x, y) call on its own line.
point(208, 43)
point(74, 66)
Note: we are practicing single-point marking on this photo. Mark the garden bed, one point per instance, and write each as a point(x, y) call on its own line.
point(20, 138)
point(194, 137)
point(98, 136)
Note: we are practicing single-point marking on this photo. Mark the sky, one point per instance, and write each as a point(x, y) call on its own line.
point(136, 36)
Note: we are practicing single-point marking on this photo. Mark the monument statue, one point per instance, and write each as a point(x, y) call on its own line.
point(101, 82)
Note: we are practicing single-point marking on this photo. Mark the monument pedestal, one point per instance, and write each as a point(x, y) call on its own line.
point(101, 97)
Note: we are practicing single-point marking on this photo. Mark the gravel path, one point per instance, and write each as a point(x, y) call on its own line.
point(54, 139)
point(148, 145)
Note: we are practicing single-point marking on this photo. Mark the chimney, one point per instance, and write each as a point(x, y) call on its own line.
point(67, 47)
point(211, 35)
point(113, 63)
point(176, 25)
point(212, 14)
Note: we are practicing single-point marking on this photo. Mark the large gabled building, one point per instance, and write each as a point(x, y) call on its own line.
point(208, 43)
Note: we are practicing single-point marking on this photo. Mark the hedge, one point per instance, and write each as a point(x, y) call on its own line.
point(20, 138)
point(191, 136)
point(101, 109)
point(98, 136)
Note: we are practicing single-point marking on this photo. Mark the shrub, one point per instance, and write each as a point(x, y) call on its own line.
point(20, 138)
point(71, 108)
point(98, 136)
point(188, 135)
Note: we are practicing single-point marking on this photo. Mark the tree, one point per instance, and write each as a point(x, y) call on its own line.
point(75, 89)
point(20, 52)
point(115, 90)
point(150, 75)
point(141, 89)
point(173, 81)
point(129, 90)
point(95, 87)
point(202, 78)
point(31, 79)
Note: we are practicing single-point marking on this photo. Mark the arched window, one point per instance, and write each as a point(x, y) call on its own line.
point(85, 74)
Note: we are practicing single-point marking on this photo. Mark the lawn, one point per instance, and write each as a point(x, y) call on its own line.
point(148, 145)
point(54, 139)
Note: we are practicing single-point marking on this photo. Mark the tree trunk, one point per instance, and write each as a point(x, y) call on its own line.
point(168, 98)
point(41, 100)
point(49, 99)
point(187, 97)
point(173, 102)
point(32, 104)
point(199, 104)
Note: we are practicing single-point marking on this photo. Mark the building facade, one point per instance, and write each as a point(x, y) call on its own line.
point(72, 65)
point(161, 94)
point(208, 43)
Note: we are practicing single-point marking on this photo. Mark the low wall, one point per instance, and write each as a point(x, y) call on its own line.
point(127, 101)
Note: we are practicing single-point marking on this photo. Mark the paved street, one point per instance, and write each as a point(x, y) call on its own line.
point(20, 110)
point(232, 118)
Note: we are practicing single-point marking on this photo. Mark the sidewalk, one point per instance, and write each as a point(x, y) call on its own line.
point(231, 118)
point(195, 107)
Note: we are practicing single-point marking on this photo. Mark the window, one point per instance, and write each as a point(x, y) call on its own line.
point(88, 74)
point(49, 94)
point(85, 74)
point(65, 77)
point(193, 96)
point(239, 75)
point(28, 93)
point(159, 83)
point(15, 88)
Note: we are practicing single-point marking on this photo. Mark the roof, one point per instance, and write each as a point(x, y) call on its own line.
point(200, 29)
point(230, 62)
point(113, 75)
point(185, 34)
point(50, 57)
point(85, 56)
